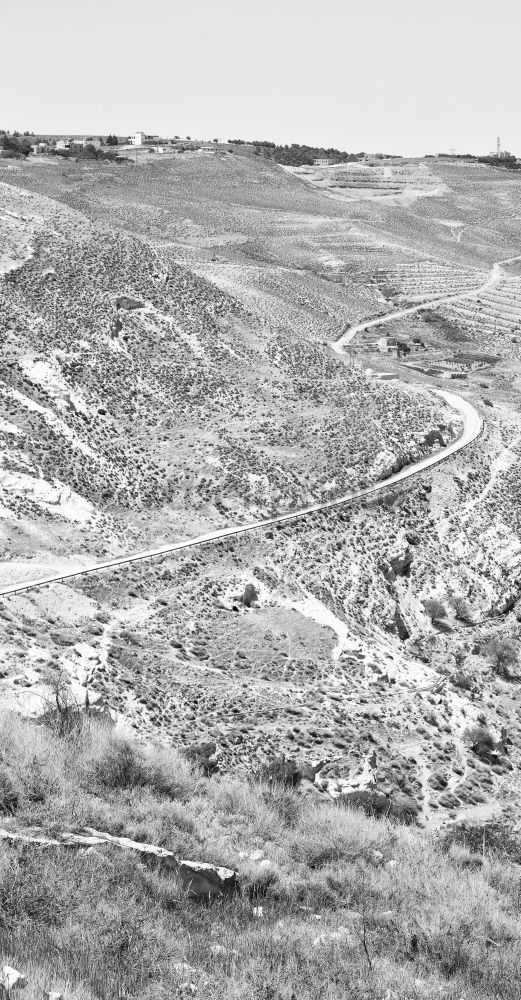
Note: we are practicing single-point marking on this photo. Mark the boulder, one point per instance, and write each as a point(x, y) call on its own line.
point(203, 881)
point(127, 302)
point(400, 556)
point(53, 995)
point(400, 560)
point(10, 979)
point(307, 787)
point(200, 880)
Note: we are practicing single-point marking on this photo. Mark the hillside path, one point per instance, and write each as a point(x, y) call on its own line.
point(472, 425)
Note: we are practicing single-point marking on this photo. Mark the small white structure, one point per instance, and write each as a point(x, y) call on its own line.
point(208, 150)
point(388, 345)
point(322, 161)
point(63, 144)
point(39, 147)
point(141, 139)
point(83, 143)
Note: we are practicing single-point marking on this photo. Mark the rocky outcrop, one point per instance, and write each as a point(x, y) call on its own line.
point(199, 879)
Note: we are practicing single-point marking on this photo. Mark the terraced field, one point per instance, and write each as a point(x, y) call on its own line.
point(492, 318)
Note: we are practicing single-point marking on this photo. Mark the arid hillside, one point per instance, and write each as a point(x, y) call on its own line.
point(167, 369)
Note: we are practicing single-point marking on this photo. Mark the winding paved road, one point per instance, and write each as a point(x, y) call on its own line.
point(472, 426)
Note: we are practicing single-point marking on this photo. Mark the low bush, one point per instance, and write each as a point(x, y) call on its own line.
point(434, 609)
point(502, 655)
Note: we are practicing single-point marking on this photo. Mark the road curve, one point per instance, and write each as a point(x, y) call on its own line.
point(351, 331)
point(472, 426)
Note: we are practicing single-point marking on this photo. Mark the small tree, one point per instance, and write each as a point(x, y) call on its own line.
point(62, 712)
point(460, 607)
point(250, 595)
point(434, 609)
point(501, 654)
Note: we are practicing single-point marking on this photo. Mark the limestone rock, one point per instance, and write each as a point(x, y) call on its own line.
point(10, 979)
point(307, 787)
point(127, 302)
point(400, 560)
point(207, 881)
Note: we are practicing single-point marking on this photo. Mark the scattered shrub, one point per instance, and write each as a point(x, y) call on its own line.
point(502, 655)
point(434, 609)
point(460, 607)
point(250, 595)
point(9, 794)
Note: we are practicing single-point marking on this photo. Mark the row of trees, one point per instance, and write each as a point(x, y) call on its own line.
point(299, 156)
point(14, 145)
point(507, 162)
point(296, 155)
point(85, 153)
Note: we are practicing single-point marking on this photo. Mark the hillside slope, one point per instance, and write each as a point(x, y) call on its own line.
point(166, 372)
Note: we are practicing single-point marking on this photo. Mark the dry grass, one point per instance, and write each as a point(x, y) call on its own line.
point(101, 924)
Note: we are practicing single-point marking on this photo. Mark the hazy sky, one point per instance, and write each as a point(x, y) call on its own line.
point(402, 76)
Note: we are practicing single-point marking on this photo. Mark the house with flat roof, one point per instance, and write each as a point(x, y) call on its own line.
point(141, 139)
point(82, 143)
point(388, 345)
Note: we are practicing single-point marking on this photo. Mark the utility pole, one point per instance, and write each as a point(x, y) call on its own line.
point(498, 147)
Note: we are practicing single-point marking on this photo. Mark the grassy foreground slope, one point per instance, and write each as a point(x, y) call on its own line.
point(333, 904)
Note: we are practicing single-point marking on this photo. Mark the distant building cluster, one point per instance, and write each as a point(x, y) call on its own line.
point(138, 140)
